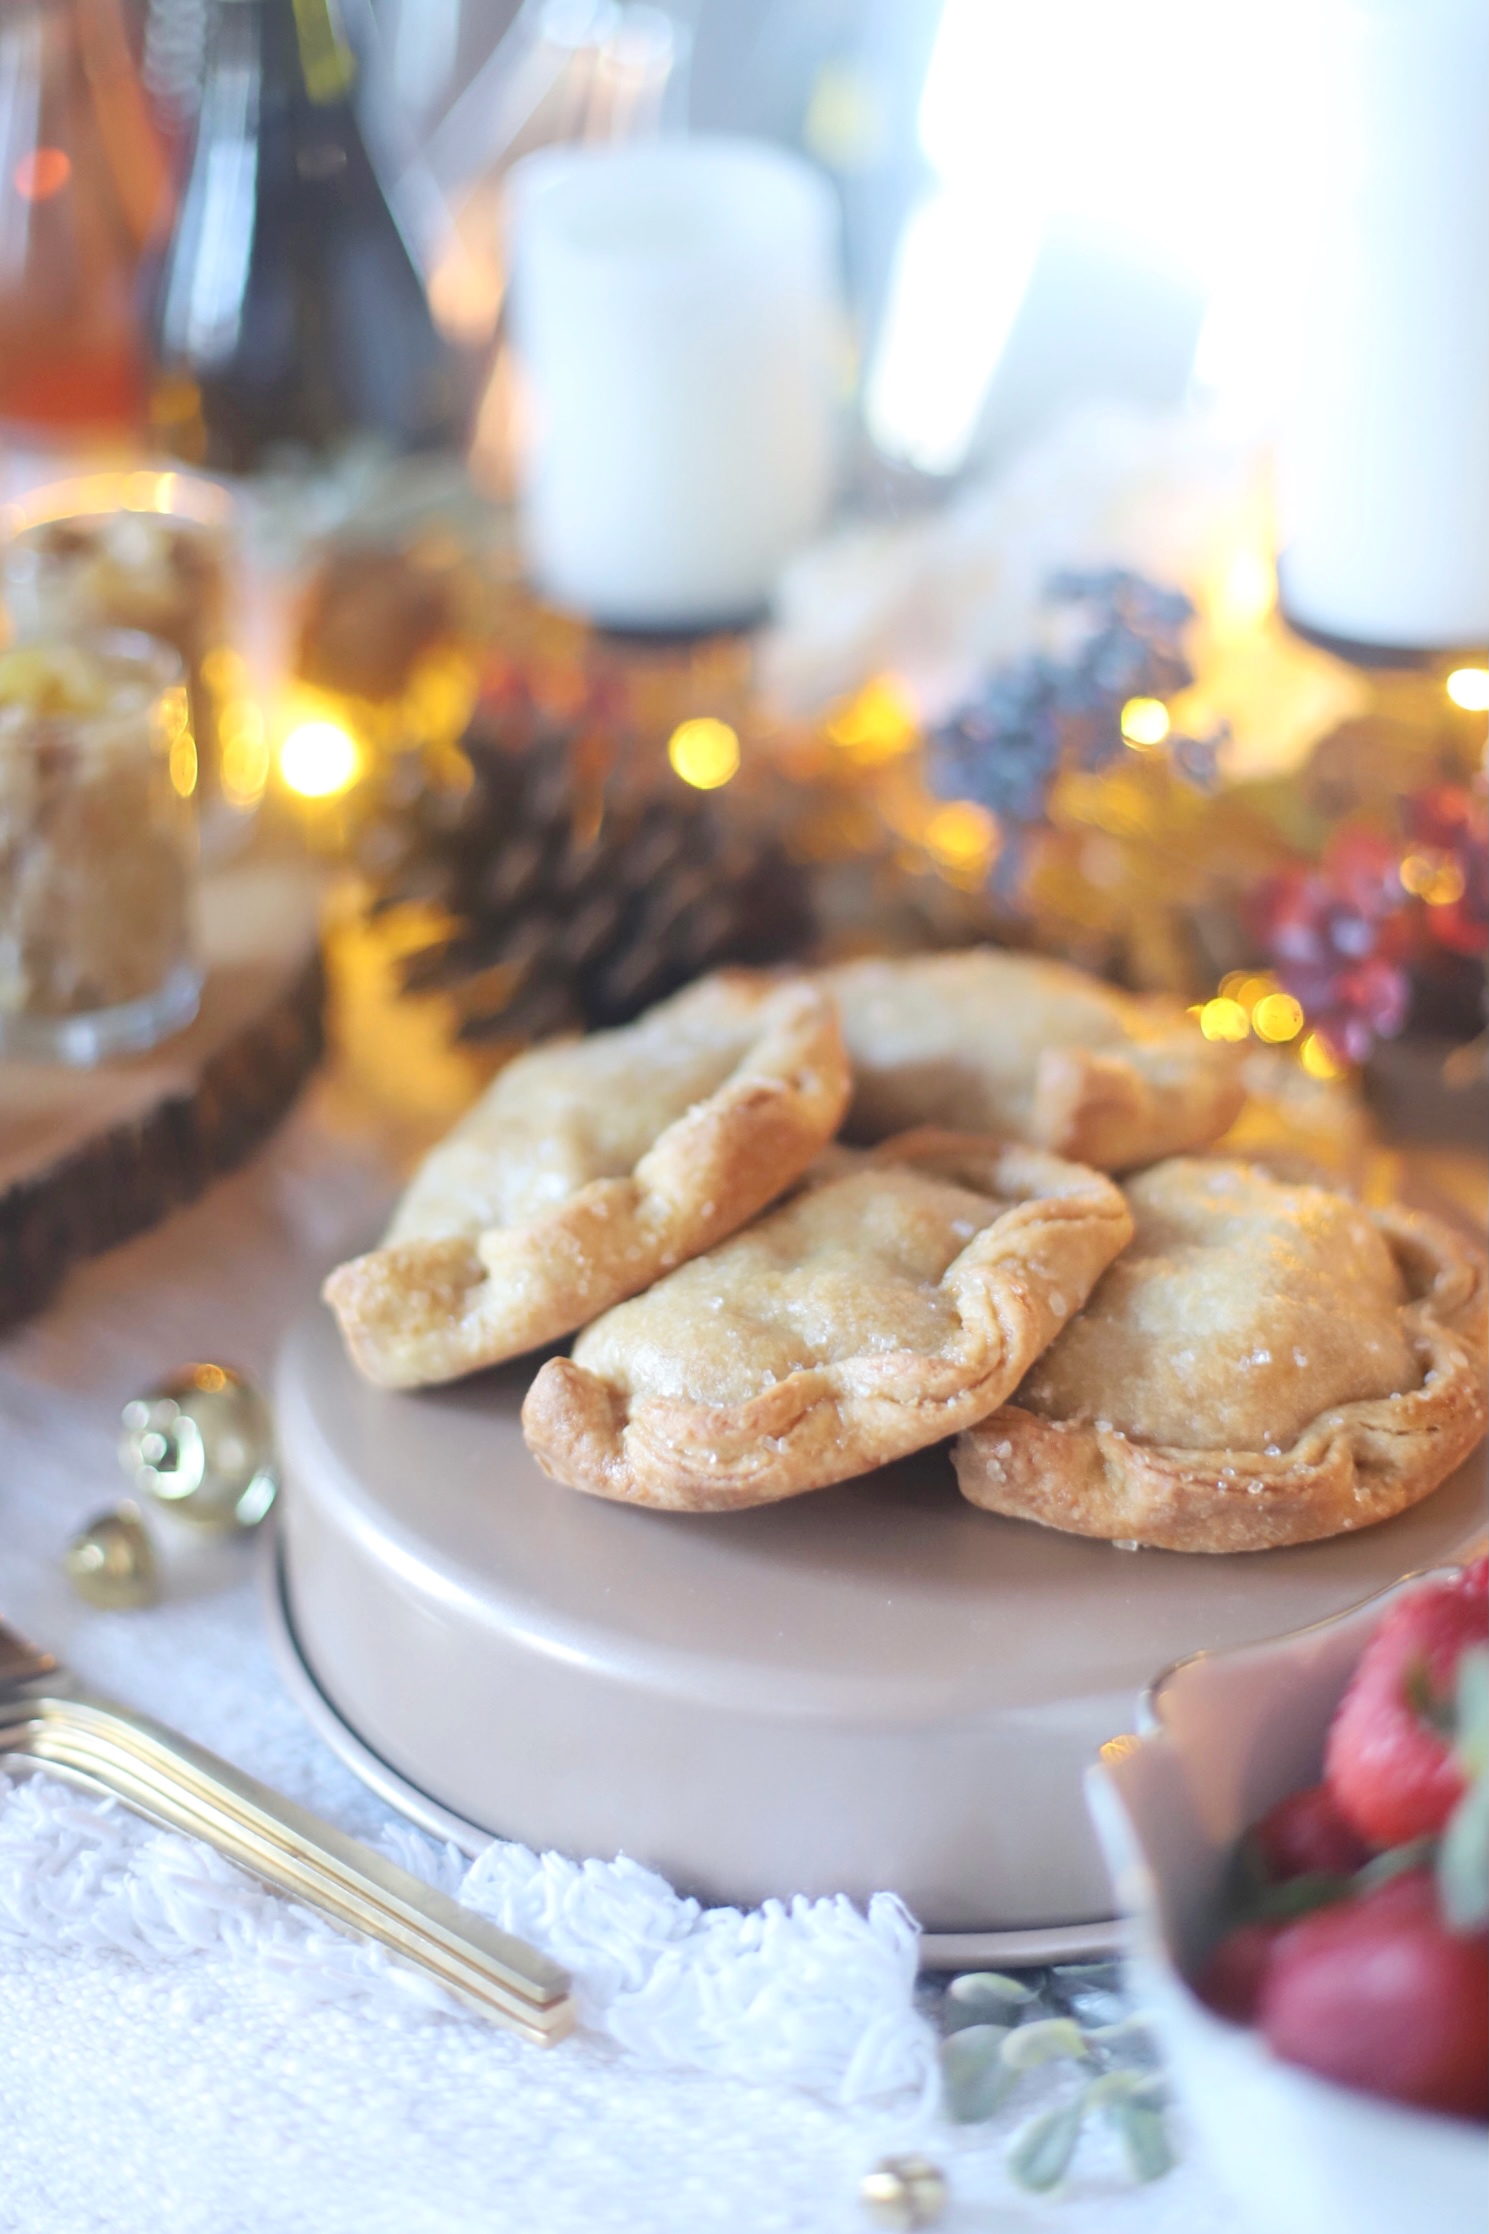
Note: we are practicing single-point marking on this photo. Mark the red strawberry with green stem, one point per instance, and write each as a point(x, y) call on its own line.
point(1390, 1762)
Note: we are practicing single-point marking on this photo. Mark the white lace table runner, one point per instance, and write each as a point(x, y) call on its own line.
point(184, 2052)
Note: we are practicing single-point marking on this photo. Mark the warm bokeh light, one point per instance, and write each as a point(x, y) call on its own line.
point(1277, 1017)
point(183, 764)
point(175, 721)
point(1319, 1059)
point(1145, 722)
point(704, 752)
point(244, 759)
point(1246, 986)
point(878, 723)
point(1224, 1019)
point(963, 837)
point(318, 759)
point(1468, 687)
point(1433, 877)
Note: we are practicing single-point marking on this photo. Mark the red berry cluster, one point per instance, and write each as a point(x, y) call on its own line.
point(1342, 934)
point(1347, 1960)
point(1337, 936)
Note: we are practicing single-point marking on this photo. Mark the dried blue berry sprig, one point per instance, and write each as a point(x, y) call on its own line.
point(1047, 713)
point(998, 2029)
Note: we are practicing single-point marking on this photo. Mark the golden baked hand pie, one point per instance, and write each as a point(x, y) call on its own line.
point(1007, 1043)
point(589, 1167)
point(895, 1298)
point(1267, 1363)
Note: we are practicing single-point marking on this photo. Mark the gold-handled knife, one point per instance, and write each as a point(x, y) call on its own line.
point(46, 1716)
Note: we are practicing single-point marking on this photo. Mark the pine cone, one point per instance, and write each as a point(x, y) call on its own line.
point(571, 901)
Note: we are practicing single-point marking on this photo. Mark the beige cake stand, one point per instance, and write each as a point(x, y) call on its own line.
point(872, 1687)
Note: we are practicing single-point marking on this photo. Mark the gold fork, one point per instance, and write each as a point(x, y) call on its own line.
point(48, 1717)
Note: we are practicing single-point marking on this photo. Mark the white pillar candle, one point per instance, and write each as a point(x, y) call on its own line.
point(672, 310)
point(1384, 463)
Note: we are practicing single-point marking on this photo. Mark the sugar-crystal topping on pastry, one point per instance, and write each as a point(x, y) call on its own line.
point(896, 1298)
point(1268, 1364)
point(1242, 1308)
point(590, 1167)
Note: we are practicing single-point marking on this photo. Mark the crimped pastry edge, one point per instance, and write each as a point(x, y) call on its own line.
point(1165, 1090)
point(1021, 1278)
point(1354, 1465)
point(1123, 1108)
point(419, 1312)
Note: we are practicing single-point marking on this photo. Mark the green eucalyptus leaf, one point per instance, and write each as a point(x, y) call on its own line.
point(1043, 2042)
point(1144, 2137)
point(985, 1997)
point(1463, 1862)
point(974, 2078)
point(1112, 2086)
point(1131, 2036)
point(1040, 2153)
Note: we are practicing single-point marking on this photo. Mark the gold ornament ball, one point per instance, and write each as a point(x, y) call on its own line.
point(111, 1563)
point(904, 2192)
point(202, 1445)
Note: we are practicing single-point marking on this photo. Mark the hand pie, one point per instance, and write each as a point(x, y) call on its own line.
point(1267, 1363)
point(589, 1167)
point(1006, 1043)
point(895, 1298)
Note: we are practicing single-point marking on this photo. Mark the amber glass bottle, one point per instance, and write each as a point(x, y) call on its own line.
point(82, 183)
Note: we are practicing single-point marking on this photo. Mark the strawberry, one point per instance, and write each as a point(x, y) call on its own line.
point(1389, 1763)
point(1305, 1835)
point(1377, 1993)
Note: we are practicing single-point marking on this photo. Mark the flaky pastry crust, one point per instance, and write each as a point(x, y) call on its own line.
point(1349, 1465)
point(589, 1168)
point(994, 1042)
point(899, 1295)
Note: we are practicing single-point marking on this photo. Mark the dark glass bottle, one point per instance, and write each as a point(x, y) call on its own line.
point(289, 308)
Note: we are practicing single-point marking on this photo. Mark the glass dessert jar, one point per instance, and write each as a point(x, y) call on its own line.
point(97, 848)
point(146, 551)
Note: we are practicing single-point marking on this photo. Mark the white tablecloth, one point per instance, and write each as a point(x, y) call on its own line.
point(185, 2072)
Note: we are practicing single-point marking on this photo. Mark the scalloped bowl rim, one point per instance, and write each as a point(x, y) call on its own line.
point(1302, 2154)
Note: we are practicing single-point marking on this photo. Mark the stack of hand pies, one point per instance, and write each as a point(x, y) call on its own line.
point(1202, 1355)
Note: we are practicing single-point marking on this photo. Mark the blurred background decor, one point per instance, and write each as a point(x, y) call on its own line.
point(90, 1156)
point(84, 183)
point(955, 382)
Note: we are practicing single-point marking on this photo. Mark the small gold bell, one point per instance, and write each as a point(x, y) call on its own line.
point(202, 1445)
point(904, 2192)
point(112, 1563)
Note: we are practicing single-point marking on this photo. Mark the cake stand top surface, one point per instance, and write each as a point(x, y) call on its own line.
point(886, 1599)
